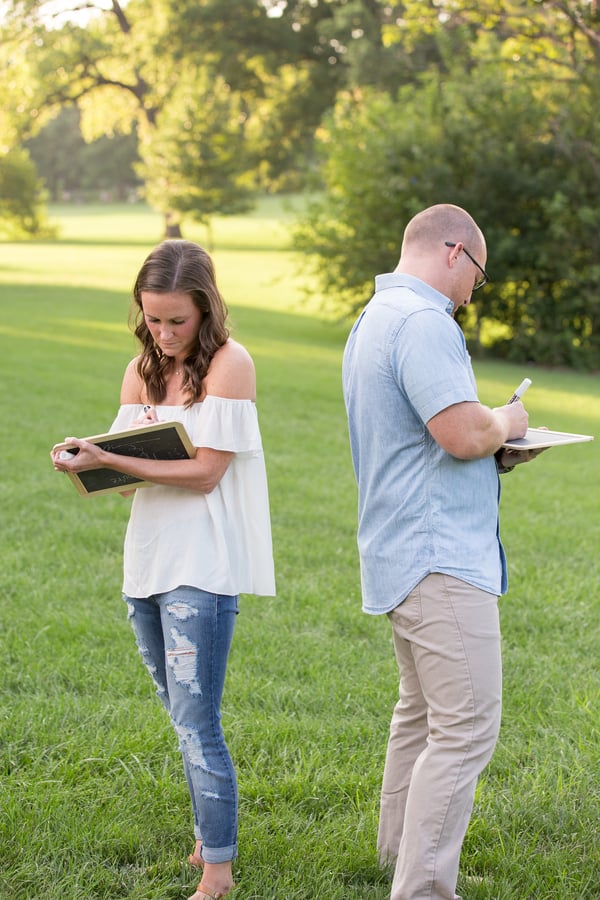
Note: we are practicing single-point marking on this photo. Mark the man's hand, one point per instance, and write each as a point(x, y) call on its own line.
point(515, 417)
point(507, 459)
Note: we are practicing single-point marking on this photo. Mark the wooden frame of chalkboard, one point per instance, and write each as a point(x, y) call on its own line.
point(542, 439)
point(161, 440)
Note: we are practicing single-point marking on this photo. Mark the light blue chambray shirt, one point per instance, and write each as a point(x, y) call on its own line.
point(421, 510)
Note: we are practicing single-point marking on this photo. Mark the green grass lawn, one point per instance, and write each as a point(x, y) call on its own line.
point(92, 798)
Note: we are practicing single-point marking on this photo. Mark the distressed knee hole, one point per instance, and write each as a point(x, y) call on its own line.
point(181, 611)
point(182, 660)
point(191, 745)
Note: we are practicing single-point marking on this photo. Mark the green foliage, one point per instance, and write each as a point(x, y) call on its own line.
point(522, 160)
point(502, 123)
point(76, 169)
point(22, 197)
point(122, 73)
point(195, 160)
point(281, 67)
point(93, 803)
point(123, 65)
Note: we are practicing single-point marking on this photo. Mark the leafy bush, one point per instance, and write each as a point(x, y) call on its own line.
point(22, 198)
point(522, 161)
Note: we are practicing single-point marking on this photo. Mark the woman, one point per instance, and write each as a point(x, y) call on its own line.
point(200, 534)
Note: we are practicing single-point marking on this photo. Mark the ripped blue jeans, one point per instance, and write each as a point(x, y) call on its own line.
point(184, 638)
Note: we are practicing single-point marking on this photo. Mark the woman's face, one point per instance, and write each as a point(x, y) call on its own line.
point(173, 320)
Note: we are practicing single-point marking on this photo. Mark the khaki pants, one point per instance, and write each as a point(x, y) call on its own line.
point(443, 731)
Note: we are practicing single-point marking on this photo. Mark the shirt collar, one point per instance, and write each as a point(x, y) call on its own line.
point(401, 279)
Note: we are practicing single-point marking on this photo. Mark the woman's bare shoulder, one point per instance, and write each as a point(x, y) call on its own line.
point(231, 372)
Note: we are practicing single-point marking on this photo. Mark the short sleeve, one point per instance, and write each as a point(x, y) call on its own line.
point(226, 424)
point(431, 363)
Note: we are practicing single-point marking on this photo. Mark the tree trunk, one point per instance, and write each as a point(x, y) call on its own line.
point(172, 226)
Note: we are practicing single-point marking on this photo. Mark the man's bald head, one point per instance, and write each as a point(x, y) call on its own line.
point(432, 250)
point(443, 222)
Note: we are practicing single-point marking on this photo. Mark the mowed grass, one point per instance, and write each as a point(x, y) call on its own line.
point(92, 797)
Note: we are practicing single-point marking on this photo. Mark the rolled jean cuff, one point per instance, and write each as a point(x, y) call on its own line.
point(219, 854)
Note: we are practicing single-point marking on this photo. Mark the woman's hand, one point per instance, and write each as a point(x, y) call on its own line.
point(87, 456)
point(148, 418)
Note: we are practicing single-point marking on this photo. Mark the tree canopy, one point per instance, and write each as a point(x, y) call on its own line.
point(505, 127)
point(264, 80)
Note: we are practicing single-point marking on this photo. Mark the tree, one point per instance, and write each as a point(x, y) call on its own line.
point(70, 167)
point(195, 164)
point(120, 72)
point(122, 66)
point(22, 198)
point(283, 64)
point(280, 66)
point(510, 133)
point(490, 147)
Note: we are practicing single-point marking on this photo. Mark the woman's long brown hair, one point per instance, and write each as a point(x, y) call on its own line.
point(182, 267)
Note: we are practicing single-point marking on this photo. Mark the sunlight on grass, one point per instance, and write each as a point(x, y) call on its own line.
point(92, 325)
point(254, 261)
point(67, 340)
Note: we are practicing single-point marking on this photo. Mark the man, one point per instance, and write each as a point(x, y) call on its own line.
point(426, 455)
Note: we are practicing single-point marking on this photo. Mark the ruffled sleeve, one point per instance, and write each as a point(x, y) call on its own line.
point(217, 422)
point(127, 414)
point(226, 424)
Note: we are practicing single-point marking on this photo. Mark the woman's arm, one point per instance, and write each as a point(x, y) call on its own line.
point(231, 375)
point(202, 473)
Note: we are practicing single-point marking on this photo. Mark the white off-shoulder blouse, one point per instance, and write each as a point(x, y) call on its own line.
point(219, 542)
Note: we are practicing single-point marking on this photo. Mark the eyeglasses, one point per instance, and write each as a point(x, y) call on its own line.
point(484, 275)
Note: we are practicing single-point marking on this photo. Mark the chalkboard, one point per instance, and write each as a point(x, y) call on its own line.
point(541, 439)
point(161, 440)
